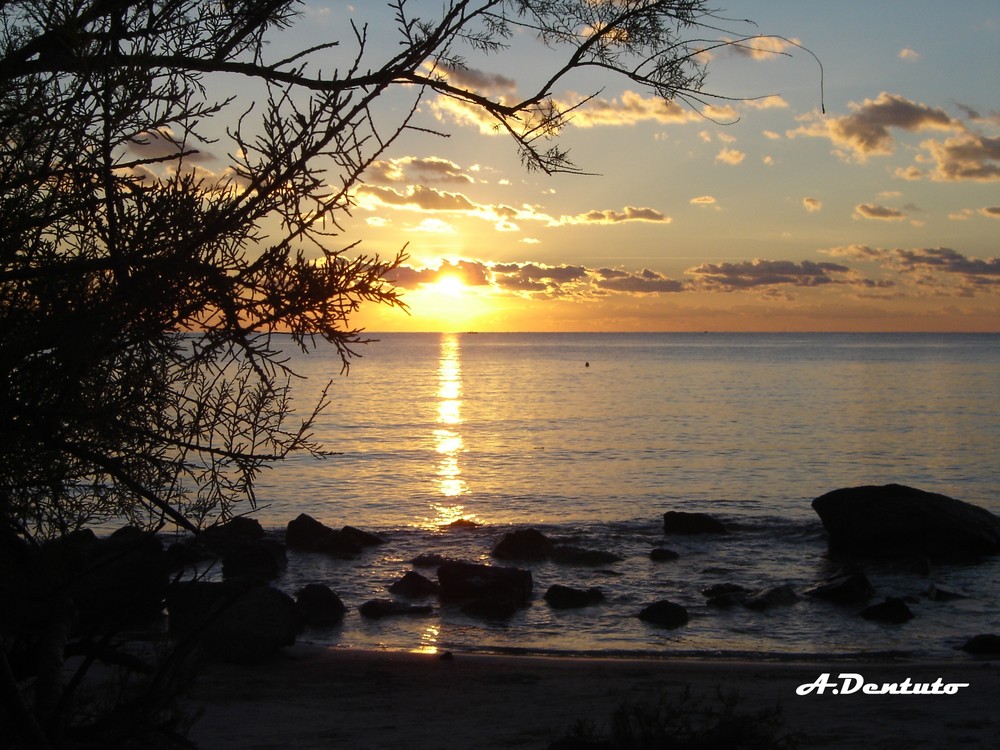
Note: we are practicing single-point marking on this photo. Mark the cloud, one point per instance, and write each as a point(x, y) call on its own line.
point(763, 47)
point(609, 216)
point(882, 213)
point(413, 169)
point(812, 205)
point(730, 156)
point(632, 108)
point(908, 54)
point(964, 157)
point(857, 252)
point(644, 282)
point(867, 132)
point(703, 200)
point(765, 273)
point(946, 260)
point(482, 82)
point(414, 197)
point(991, 211)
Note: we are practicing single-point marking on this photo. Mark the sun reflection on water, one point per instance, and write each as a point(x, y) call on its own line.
point(448, 440)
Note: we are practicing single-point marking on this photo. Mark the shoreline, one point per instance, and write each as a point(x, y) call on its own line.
point(310, 697)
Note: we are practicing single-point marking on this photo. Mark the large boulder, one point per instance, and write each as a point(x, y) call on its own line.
point(319, 605)
point(523, 544)
point(233, 622)
point(684, 522)
point(894, 520)
point(306, 533)
point(462, 580)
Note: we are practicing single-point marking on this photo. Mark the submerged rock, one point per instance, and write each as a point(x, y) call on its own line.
point(567, 597)
point(523, 544)
point(775, 596)
point(364, 538)
point(987, 643)
point(848, 586)
point(570, 555)
point(462, 580)
point(894, 520)
point(661, 554)
point(893, 611)
point(413, 586)
point(665, 614)
point(377, 608)
point(683, 522)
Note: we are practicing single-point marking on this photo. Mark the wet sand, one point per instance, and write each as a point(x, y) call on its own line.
point(312, 698)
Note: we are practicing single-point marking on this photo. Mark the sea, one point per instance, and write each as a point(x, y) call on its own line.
point(591, 437)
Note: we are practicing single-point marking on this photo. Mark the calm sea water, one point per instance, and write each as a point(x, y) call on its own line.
point(592, 437)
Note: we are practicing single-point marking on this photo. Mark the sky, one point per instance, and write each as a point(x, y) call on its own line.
point(753, 214)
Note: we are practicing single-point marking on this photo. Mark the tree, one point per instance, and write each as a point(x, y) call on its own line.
point(139, 294)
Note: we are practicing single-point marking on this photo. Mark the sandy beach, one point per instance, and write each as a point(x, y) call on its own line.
point(310, 698)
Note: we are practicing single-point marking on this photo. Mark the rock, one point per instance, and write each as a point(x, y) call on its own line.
point(848, 586)
point(938, 594)
point(306, 533)
point(461, 523)
point(413, 586)
point(661, 554)
point(982, 644)
point(461, 580)
point(234, 623)
point(523, 544)
point(124, 577)
point(363, 538)
point(263, 558)
point(899, 521)
point(566, 597)
point(683, 522)
point(378, 608)
point(721, 589)
point(238, 530)
point(775, 596)
point(893, 610)
point(319, 605)
point(567, 554)
point(727, 600)
point(430, 560)
point(490, 608)
point(664, 613)
point(725, 595)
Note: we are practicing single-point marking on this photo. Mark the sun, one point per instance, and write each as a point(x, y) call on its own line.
point(449, 304)
point(449, 285)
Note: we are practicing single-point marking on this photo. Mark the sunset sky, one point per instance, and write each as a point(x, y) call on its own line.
point(766, 214)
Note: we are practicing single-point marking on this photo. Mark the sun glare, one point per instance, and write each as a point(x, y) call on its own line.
point(449, 304)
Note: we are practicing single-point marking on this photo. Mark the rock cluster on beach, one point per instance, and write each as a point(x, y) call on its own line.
point(244, 618)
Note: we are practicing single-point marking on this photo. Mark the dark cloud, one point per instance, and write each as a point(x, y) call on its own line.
point(991, 211)
point(419, 196)
point(411, 169)
point(946, 260)
point(883, 213)
point(478, 80)
point(765, 273)
point(609, 216)
point(645, 282)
